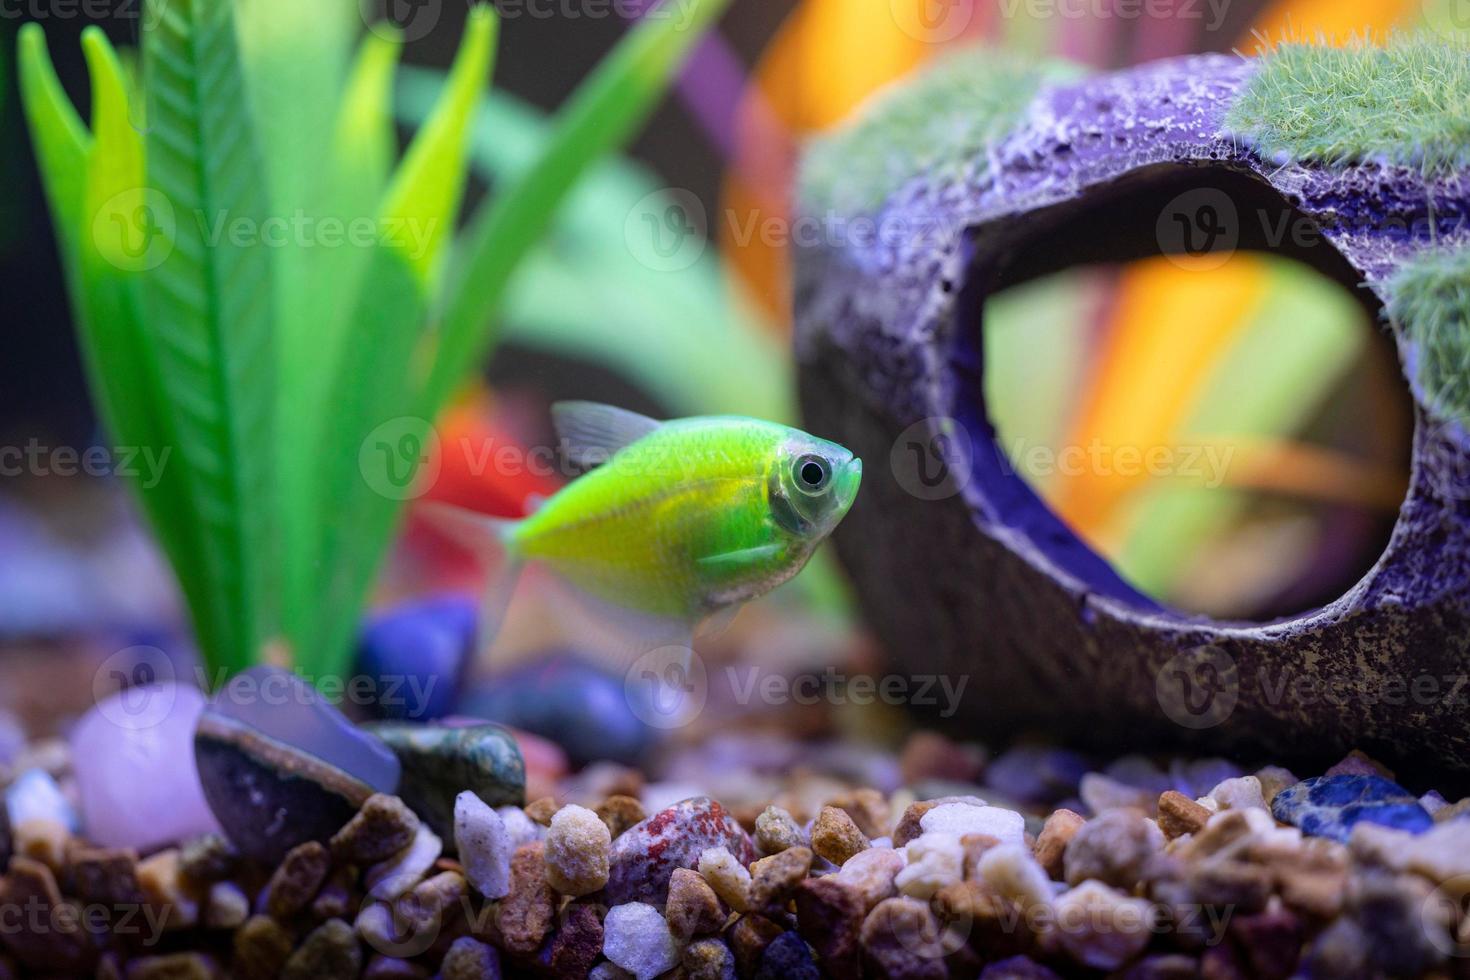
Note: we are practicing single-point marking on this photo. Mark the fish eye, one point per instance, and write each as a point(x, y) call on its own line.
point(813, 473)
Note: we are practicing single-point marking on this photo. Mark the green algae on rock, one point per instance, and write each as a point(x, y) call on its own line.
point(940, 121)
point(1406, 103)
point(1431, 304)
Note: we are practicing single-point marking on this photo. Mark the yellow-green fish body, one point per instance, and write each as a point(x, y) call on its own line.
point(688, 517)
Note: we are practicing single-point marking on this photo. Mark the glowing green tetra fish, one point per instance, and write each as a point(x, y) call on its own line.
point(683, 519)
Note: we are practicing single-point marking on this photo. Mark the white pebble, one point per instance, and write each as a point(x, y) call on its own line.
point(1013, 872)
point(728, 877)
point(1240, 793)
point(637, 938)
point(395, 876)
point(36, 796)
point(520, 828)
point(935, 860)
point(484, 845)
point(608, 971)
point(1006, 826)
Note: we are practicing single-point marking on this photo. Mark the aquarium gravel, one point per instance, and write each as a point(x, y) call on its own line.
point(1035, 863)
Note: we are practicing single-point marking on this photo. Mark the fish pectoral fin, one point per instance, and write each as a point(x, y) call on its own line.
point(719, 620)
point(593, 432)
point(736, 560)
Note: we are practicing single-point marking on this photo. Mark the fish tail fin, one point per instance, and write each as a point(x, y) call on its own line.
point(488, 538)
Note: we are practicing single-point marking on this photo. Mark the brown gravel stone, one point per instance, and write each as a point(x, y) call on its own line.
point(748, 938)
point(871, 874)
point(470, 959)
point(108, 876)
point(868, 809)
point(1163, 966)
point(329, 952)
point(1224, 830)
point(1359, 763)
point(776, 830)
point(1270, 942)
point(433, 903)
point(30, 885)
point(693, 908)
point(541, 811)
point(296, 882)
point(335, 900)
point(929, 755)
point(174, 897)
point(577, 944)
point(708, 959)
point(974, 910)
point(975, 846)
point(1056, 834)
point(226, 906)
point(1311, 876)
point(619, 813)
point(893, 938)
point(262, 946)
point(774, 878)
point(908, 825)
point(525, 915)
point(835, 836)
point(1237, 885)
point(208, 858)
point(830, 915)
point(1112, 848)
point(1274, 779)
point(41, 840)
point(382, 828)
point(1179, 815)
point(174, 966)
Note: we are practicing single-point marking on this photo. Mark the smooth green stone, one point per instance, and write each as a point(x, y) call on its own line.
point(440, 762)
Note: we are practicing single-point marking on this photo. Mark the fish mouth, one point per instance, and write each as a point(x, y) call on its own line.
point(847, 483)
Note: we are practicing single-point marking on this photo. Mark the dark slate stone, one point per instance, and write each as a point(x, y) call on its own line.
point(442, 761)
point(787, 958)
point(578, 705)
point(1330, 806)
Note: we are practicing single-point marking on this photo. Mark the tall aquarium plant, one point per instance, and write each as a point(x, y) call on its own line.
point(267, 290)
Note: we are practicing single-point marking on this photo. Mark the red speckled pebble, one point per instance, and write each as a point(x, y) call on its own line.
point(644, 856)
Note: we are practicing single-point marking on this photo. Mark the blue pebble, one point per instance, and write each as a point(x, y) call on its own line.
point(1036, 774)
point(574, 703)
point(415, 654)
point(34, 795)
point(1330, 806)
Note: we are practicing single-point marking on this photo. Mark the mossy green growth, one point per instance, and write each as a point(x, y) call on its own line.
point(1407, 102)
point(937, 122)
point(1431, 304)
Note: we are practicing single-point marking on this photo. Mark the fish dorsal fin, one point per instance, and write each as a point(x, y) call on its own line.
point(592, 432)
